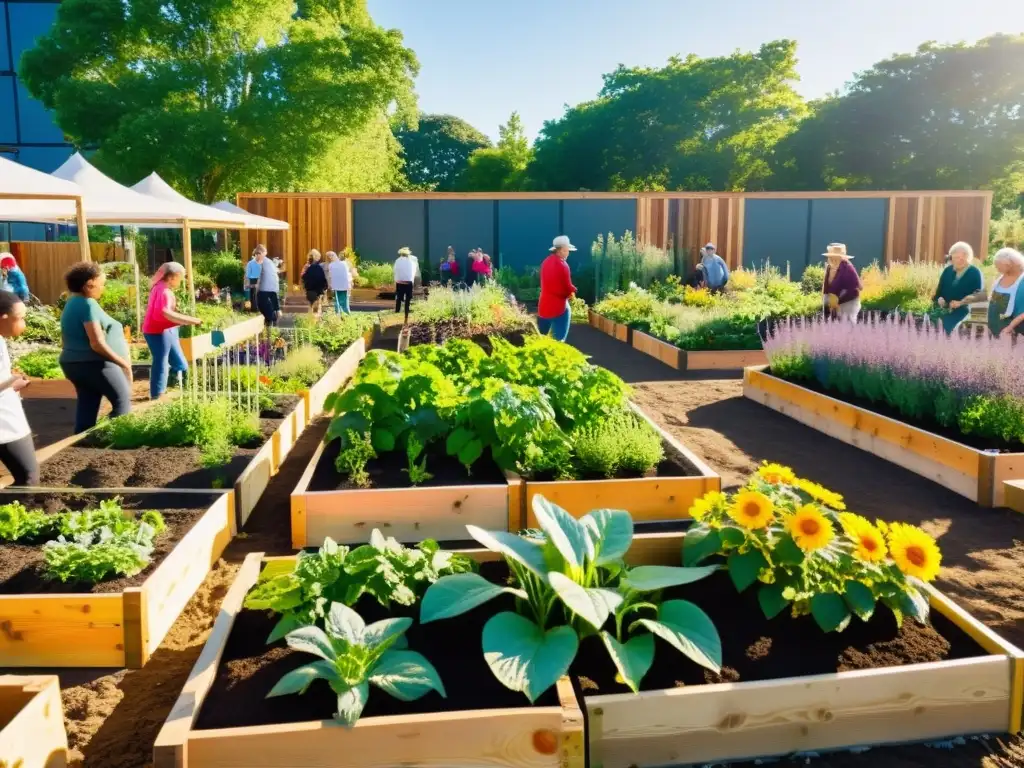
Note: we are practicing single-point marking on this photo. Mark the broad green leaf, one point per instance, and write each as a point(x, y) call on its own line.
point(913, 603)
point(632, 659)
point(647, 578)
point(385, 632)
point(298, 680)
point(594, 606)
point(771, 600)
point(457, 440)
point(860, 598)
point(329, 401)
point(700, 543)
point(288, 623)
point(351, 704)
point(786, 551)
point(406, 675)
point(610, 532)
point(744, 569)
point(470, 452)
point(457, 594)
point(352, 420)
point(523, 656)
point(345, 623)
point(564, 531)
point(513, 546)
point(731, 537)
point(830, 611)
point(383, 440)
point(312, 640)
point(689, 630)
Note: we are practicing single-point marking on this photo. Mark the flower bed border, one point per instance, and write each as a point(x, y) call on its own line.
point(538, 737)
point(197, 346)
point(117, 629)
point(970, 472)
point(609, 327)
point(32, 729)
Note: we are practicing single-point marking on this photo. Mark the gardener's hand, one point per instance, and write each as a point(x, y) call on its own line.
point(20, 382)
point(833, 300)
point(954, 304)
point(128, 372)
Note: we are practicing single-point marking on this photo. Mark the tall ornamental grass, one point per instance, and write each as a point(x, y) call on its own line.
point(971, 385)
point(619, 263)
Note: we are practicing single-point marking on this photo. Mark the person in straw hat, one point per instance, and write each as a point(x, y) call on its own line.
point(406, 267)
point(553, 312)
point(842, 286)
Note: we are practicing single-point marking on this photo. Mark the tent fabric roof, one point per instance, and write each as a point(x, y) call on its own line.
point(17, 179)
point(255, 221)
point(156, 187)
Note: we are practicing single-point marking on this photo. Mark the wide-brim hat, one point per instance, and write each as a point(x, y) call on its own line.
point(562, 241)
point(404, 252)
point(837, 249)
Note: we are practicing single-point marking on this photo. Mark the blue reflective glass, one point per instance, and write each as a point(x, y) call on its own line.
point(29, 21)
point(37, 123)
point(6, 65)
point(45, 159)
point(8, 134)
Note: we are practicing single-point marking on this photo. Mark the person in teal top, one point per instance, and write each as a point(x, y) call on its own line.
point(959, 281)
point(94, 354)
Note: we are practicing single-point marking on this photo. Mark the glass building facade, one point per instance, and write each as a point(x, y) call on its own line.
point(28, 132)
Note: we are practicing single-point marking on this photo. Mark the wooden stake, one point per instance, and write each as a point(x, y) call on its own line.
point(83, 231)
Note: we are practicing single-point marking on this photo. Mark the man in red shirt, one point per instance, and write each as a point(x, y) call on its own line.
point(553, 313)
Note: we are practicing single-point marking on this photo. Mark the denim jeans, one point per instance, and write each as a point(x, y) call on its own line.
point(165, 349)
point(556, 326)
point(341, 303)
point(93, 381)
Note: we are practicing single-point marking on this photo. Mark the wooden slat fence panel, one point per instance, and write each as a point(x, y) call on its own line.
point(44, 264)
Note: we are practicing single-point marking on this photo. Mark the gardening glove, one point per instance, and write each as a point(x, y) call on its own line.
point(833, 301)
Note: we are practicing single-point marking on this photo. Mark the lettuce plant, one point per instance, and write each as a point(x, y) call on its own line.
point(570, 582)
point(95, 554)
point(352, 656)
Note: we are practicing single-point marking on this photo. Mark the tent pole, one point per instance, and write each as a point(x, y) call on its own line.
point(186, 244)
point(83, 231)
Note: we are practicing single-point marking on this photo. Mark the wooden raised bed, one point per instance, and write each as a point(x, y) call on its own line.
point(610, 327)
point(647, 498)
point(341, 371)
point(976, 474)
point(705, 360)
point(538, 737)
point(32, 722)
point(119, 629)
point(197, 346)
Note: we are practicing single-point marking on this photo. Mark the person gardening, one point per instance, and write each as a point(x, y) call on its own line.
point(958, 280)
point(841, 288)
point(1006, 301)
point(314, 281)
point(267, 287)
point(160, 328)
point(716, 271)
point(405, 276)
point(252, 274)
point(556, 289)
point(14, 279)
point(17, 449)
point(340, 275)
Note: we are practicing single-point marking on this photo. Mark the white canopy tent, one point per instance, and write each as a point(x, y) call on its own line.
point(21, 184)
point(254, 221)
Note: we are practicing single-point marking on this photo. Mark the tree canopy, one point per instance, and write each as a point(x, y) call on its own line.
point(502, 168)
point(437, 152)
point(221, 95)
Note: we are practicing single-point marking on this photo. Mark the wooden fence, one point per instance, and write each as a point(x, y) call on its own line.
point(44, 264)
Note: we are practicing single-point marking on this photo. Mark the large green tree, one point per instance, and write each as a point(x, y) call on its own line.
point(222, 95)
point(438, 151)
point(503, 167)
point(700, 124)
point(945, 117)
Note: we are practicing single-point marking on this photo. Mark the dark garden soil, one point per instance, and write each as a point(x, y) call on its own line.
point(90, 465)
point(250, 668)
point(389, 471)
point(21, 565)
point(438, 333)
point(673, 465)
point(283, 405)
point(884, 409)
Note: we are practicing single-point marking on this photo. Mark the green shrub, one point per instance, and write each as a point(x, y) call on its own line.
point(223, 269)
point(813, 278)
point(304, 363)
point(621, 443)
point(375, 275)
point(42, 324)
point(41, 364)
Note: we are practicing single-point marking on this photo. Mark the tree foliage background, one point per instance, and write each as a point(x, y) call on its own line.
point(437, 152)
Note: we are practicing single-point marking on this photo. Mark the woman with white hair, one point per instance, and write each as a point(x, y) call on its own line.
point(1006, 301)
point(160, 328)
point(959, 281)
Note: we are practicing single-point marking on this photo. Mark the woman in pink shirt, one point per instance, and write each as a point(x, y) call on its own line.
point(160, 327)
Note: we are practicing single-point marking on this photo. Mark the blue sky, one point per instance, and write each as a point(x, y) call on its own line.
point(482, 59)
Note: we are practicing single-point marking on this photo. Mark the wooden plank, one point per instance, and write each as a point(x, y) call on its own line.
point(136, 628)
point(516, 502)
point(1013, 495)
point(1006, 466)
point(740, 231)
point(646, 498)
point(408, 514)
point(170, 748)
point(32, 722)
point(340, 372)
point(733, 360)
point(254, 481)
point(62, 630)
point(169, 588)
point(734, 721)
point(890, 230)
point(669, 354)
point(918, 234)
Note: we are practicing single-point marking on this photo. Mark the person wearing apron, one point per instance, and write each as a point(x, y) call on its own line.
point(1006, 302)
point(959, 280)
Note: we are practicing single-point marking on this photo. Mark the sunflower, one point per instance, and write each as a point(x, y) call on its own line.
point(821, 494)
point(752, 509)
point(706, 504)
point(809, 528)
point(915, 552)
point(869, 540)
point(776, 474)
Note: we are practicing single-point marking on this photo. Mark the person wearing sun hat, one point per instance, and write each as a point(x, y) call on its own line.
point(553, 313)
point(716, 271)
point(841, 288)
point(406, 267)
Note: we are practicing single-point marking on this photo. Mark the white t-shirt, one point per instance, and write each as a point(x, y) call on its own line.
point(340, 277)
point(405, 269)
point(13, 424)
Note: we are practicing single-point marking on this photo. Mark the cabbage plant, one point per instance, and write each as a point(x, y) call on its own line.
point(570, 582)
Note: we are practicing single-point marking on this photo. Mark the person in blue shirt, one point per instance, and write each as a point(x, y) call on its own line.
point(716, 271)
point(14, 278)
point(252, 274)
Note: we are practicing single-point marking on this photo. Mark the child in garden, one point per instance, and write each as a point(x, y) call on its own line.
point(17, 450)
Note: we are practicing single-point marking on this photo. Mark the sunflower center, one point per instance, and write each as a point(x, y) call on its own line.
point(917, 556)
point(752, 509)
point(869, 543)
point(773, 479)
point(809, 526)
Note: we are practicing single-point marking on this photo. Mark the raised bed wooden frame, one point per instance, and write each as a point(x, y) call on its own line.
point(198, 346)
point(975, 474)
point(528, 737)
point(118, 629)
point(609, 327)
point(32, 722)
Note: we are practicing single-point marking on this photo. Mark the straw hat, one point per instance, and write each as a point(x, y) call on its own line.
point(562, 241)
point(837, 249)
point(404, 252)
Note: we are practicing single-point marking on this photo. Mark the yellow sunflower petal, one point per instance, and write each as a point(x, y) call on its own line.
point(752, 510)
point(706, 504)
point(914, 551)
point(776, 474)
point(810, 529)
point(869, 542)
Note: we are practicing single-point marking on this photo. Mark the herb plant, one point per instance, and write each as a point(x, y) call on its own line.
point(353, 656)
point(621, 443)
point(794, 539)
point(95, 553)
point(571, 583)
point(41, 364)
point(18, 524)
